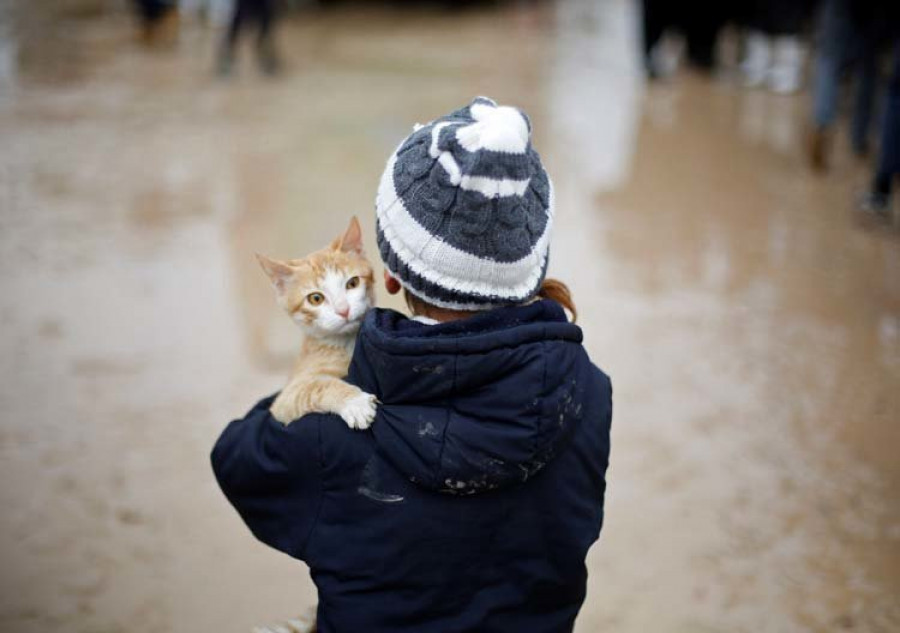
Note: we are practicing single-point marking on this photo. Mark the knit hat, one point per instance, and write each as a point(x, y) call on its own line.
point(464, 210)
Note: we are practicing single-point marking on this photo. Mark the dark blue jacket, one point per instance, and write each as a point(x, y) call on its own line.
point(470, 504)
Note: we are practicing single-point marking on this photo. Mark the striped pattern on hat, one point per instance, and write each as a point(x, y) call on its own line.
point(464, 210)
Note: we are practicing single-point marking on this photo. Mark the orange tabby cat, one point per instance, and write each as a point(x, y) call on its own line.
point(327, 293)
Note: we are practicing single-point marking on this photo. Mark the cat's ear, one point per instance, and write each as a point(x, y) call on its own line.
point(351, 240)
point(278, 272)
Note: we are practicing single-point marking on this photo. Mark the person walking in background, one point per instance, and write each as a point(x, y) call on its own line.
point(699, 22)
point(878, 199)
point(851, 34)
point(245, 13)
point(774, 52)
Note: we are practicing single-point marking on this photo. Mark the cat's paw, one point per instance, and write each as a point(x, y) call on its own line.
point(359, 411)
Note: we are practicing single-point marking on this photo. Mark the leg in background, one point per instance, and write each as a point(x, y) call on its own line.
point(865, 98)
point(655, 22)
point(265, 15)
point(834, 40)
point(835, 35)
point(889, 162)
point(786, 21)
point(888, 167)
point(239, 18)
point(701, 29)
point(153, 14)
point(757, 54)
point(874, 25)
point(757, 49)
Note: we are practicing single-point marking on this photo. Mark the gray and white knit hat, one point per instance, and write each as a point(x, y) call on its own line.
point(465, 208)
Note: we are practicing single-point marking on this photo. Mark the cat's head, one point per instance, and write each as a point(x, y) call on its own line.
point(327, 292)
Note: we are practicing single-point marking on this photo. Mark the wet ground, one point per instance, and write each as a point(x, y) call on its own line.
point(750, 321)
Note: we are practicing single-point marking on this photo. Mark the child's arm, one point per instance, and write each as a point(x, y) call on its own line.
point(271, 474)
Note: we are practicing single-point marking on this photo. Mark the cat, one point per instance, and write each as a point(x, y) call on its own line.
point(327, 293)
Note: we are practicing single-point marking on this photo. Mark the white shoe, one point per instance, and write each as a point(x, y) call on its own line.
point(757, 56)
point(786, 74)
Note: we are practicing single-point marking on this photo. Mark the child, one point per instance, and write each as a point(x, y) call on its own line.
point(472, 500)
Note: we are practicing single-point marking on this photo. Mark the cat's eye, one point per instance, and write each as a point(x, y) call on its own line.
point(352, 283)
point(315, 298)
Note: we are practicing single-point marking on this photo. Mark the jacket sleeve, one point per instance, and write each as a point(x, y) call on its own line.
point(272, 475)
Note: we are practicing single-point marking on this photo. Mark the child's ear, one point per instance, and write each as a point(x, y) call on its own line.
point(278, 272)
point(351, 240)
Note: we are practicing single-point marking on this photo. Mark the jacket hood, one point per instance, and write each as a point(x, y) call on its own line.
point(476, 404)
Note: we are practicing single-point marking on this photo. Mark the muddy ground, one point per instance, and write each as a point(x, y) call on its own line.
point(749, 318)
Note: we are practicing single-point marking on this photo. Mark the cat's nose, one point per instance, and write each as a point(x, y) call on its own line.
point(343, 312)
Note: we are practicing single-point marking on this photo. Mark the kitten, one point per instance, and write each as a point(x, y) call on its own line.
point(327, 293)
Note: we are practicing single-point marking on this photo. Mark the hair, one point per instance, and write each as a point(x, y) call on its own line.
point(552, 289)
point(557, 291)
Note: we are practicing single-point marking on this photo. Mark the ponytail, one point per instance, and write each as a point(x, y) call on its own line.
point(557, 291)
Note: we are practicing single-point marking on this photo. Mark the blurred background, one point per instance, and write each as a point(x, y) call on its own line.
point(724, 218)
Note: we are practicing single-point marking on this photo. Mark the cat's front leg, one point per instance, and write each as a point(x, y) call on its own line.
point(324, 394)
point(288, 405)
